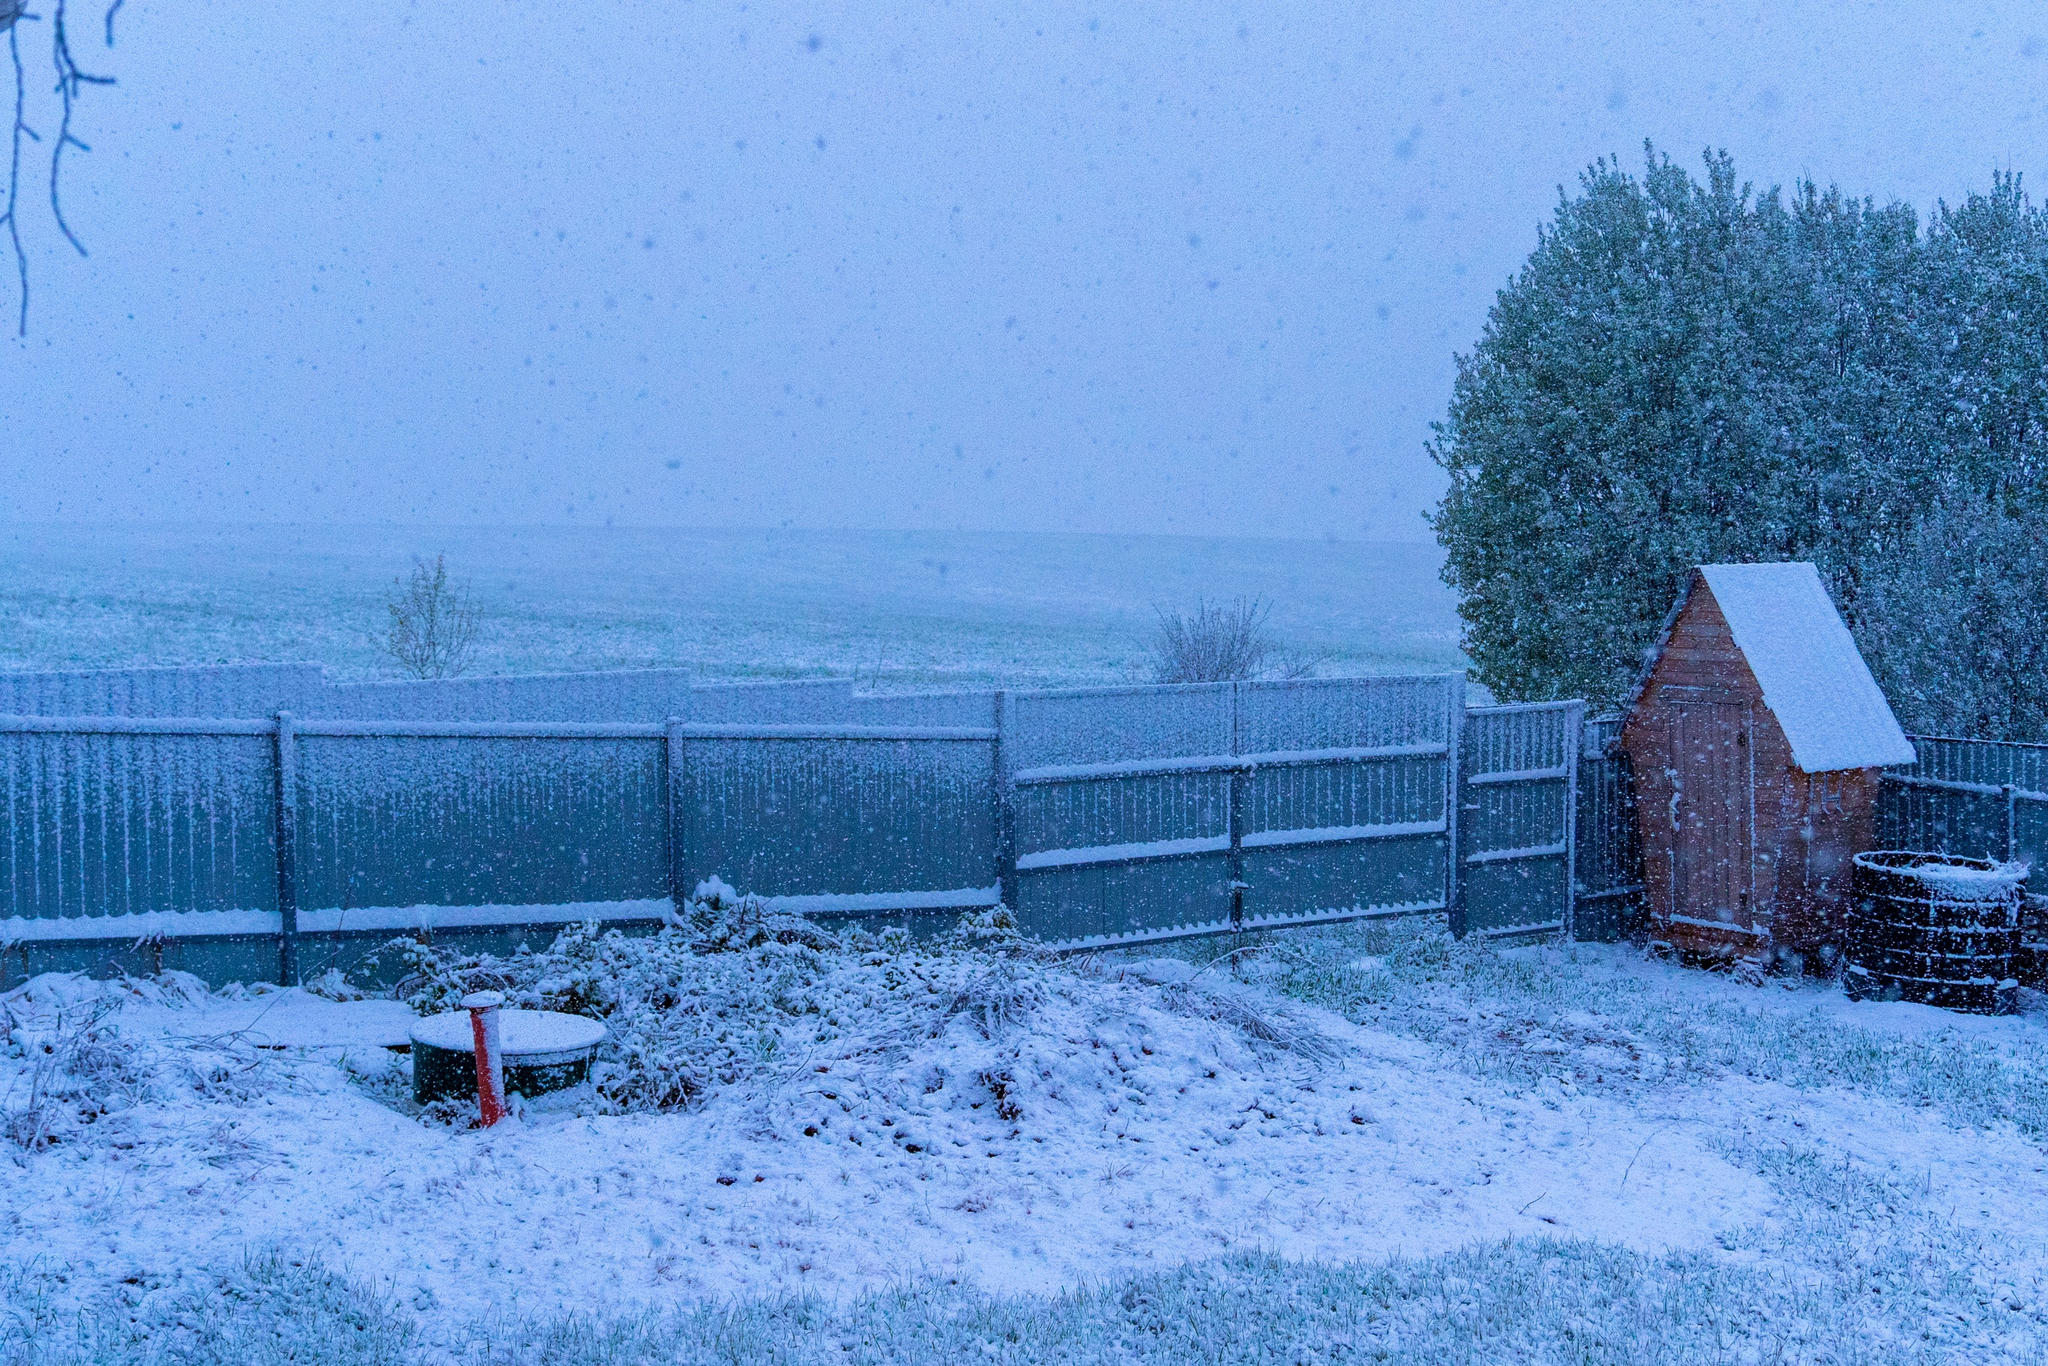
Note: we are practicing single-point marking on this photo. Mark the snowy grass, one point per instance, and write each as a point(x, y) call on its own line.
point(1852, 1259)
point(1577, 1013)
point(1890, 1299)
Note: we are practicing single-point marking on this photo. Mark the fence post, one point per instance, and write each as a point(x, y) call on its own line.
point(1233, 814)
point(2011, 826)
point(1454, 731)
point(1006, 815)
point(1575, 742)
point(672, 778)
point(287, 852)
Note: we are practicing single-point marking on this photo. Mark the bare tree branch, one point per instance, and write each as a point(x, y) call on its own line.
point(10, 11)
point(1217, 642)
point(71, 83)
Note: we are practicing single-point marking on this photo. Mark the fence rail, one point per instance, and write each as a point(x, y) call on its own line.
point(257, 848)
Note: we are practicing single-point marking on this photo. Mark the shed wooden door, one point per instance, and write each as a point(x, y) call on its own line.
point(1711, 811)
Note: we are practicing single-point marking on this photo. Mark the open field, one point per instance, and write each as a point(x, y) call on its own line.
point(894, 609)
point(1362, 1144)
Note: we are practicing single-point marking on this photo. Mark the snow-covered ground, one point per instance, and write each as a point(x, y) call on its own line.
point(1029, 1126)
point(895, 609)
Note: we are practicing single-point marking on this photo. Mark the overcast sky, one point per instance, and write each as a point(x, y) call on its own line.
point(1158, 267)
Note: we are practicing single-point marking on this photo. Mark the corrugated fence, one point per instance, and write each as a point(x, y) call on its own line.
point(255, 848)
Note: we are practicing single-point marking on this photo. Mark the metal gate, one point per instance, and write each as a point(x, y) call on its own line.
point(1518, 769)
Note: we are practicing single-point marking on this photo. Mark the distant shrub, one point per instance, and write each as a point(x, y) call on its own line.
point(1217, 642)
point(1222, 642)
point(433, 622)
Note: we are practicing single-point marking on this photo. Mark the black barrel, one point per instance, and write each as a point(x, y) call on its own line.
point(1935, 928)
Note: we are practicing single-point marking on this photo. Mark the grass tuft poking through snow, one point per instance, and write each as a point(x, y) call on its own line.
point(271, 1309)
point(1565, 1010)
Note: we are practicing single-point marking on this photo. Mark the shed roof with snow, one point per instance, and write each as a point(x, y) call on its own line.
point(1812, 676)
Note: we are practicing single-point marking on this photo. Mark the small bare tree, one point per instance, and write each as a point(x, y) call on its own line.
point(433, 622)
point(1218, 642)
point(1223, 642)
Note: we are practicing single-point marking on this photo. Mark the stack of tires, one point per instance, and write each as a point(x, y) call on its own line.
point(1936, 928)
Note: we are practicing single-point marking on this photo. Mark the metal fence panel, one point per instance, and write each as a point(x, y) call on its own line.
point(1306, 884)
point(804, 702)
point(1118, 903)
point(1109, 848)
point(1992, 763)
point(1120, 814)
point(1982, 798)
point(96, 826)
point(1106, 725)
point(1336, 838)
point(619, 695)
point(840, 822)
point(1314, 714)
point(1075, 817)
point(1517, 815)
point(1947, 821)
point(1344, 810)
point(1253, 804)
point(445, 819)
point(923, 709)
point(248, 691)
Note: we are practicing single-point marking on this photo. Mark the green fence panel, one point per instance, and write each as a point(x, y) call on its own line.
point(115, 824)
point(1118, 812)
point(1344, 804)
point(1517, 818)
point(477, 816)
point(866, 821)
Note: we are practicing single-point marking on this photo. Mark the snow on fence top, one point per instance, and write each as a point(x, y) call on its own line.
point(252, 691)
point(1813, 679)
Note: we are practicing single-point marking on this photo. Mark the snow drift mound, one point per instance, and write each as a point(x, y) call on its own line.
point(881, 1042)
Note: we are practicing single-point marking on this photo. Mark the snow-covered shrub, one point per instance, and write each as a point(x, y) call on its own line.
point(731, 989)
point(78, 1070)
point(738, 996)
point(68, 1074)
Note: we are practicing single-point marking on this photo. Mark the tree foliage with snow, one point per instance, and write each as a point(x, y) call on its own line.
point(1689, 371)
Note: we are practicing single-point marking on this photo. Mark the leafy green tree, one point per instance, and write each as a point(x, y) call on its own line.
point(1688, 371)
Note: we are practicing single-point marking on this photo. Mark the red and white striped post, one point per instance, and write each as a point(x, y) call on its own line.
point(490, 1067)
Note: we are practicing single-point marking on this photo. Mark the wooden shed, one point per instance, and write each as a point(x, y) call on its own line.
point(1756, 734)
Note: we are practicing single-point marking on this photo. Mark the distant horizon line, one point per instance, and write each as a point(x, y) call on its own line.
point(189, 525)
